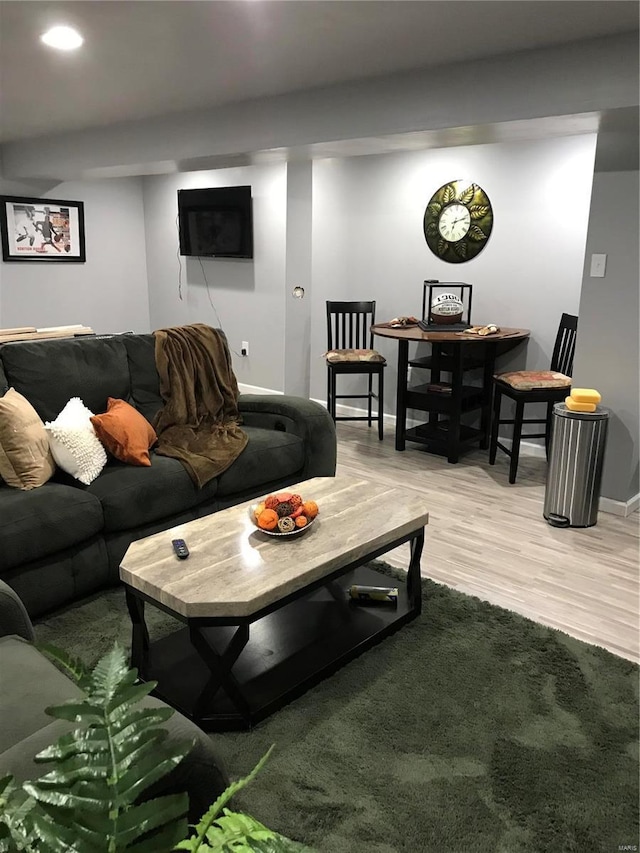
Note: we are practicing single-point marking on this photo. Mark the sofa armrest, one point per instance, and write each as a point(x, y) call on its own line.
point(304, 418)
point(14, 618)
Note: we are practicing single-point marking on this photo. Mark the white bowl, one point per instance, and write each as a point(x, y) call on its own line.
point(295, 532)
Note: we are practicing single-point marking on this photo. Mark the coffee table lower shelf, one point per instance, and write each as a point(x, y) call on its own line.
point(287, 651)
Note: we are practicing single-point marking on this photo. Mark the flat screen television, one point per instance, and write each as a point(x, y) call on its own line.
point(216, 222)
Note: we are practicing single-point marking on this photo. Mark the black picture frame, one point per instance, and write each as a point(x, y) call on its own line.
point(40, 230)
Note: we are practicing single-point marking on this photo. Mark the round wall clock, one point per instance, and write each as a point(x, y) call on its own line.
point(458, 221)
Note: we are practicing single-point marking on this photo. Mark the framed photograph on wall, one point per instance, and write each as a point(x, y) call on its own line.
point(42, 229)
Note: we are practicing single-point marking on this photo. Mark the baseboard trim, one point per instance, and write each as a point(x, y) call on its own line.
point(623, 508)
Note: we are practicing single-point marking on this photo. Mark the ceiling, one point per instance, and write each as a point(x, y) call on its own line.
point(150, 58)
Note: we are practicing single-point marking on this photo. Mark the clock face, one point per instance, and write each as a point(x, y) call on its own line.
point(458, 221)
point(454, 222)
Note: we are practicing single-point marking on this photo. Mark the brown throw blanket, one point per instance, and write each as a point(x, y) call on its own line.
point(199, 422)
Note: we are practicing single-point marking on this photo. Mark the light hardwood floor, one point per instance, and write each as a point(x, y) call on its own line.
point(489, 539)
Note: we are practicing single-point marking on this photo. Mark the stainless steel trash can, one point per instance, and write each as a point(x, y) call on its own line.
point(574, 475)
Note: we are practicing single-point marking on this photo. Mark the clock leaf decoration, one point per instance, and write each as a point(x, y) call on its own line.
point(477, 211)
point(448, 194)
point(467, 195)
point(476, 233)
point(458, 221)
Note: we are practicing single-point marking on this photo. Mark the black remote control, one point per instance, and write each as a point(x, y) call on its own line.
point(180, 547)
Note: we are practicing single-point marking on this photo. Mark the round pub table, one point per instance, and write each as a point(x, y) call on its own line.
point(445, 402)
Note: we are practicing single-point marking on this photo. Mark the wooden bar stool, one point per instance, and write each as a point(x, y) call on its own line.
point(350, 351)
point(533, 386)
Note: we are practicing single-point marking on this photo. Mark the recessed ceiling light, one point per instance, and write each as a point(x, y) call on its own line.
point(62, 38)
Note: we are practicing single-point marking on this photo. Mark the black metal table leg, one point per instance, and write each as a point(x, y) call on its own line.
point(139, 633)
point(220, 666)
point(414, 580)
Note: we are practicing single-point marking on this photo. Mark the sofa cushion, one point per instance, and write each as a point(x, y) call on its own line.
point(44, 521)
point(25, 456)
point(74, 443)
point(340, 356)
point(530, 380)
point(125, 433)
point(270, 454)
point(34, 683)
point(4, 385)
point(132, 496)
point(145, 382)
point(50, 372)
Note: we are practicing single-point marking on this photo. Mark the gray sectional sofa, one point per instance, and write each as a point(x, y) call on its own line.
point(63, 540)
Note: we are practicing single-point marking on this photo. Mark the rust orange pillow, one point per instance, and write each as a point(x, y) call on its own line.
point(125, 433)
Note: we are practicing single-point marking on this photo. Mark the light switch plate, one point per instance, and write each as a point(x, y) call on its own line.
point(598, 266)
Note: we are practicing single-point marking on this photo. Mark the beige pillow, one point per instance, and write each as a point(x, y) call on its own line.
point(25, 458)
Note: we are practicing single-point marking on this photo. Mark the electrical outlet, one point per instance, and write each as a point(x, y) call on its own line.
point(598, 265)
point(245, 348)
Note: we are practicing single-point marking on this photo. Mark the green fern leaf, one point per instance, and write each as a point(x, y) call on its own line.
point(74, 710)
point(144, 774)
point(76, 669)
point(86, 802)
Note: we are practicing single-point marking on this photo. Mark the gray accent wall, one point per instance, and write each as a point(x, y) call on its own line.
point(109, 291)
point(368, 241)
point(607, 351)
point(244, 297)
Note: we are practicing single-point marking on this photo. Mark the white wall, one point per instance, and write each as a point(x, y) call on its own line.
point(244, 297)
point(607, 350)
point(368, 241)
point(109, 291)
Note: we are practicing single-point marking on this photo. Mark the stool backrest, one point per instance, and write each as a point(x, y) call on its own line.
point(565, 345)
point(349, 325)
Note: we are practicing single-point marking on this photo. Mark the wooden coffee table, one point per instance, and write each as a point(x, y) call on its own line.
point(266, 618)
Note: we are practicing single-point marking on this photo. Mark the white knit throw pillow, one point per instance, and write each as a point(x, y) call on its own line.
point(74, 444)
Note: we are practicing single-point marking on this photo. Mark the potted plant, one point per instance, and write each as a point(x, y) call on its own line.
point(89, 801)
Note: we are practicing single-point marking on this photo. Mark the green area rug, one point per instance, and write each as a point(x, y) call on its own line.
point(470, 730)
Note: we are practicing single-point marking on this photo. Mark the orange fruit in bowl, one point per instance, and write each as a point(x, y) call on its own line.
point(310, 509)
point(268, 519)
point(301, 521)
